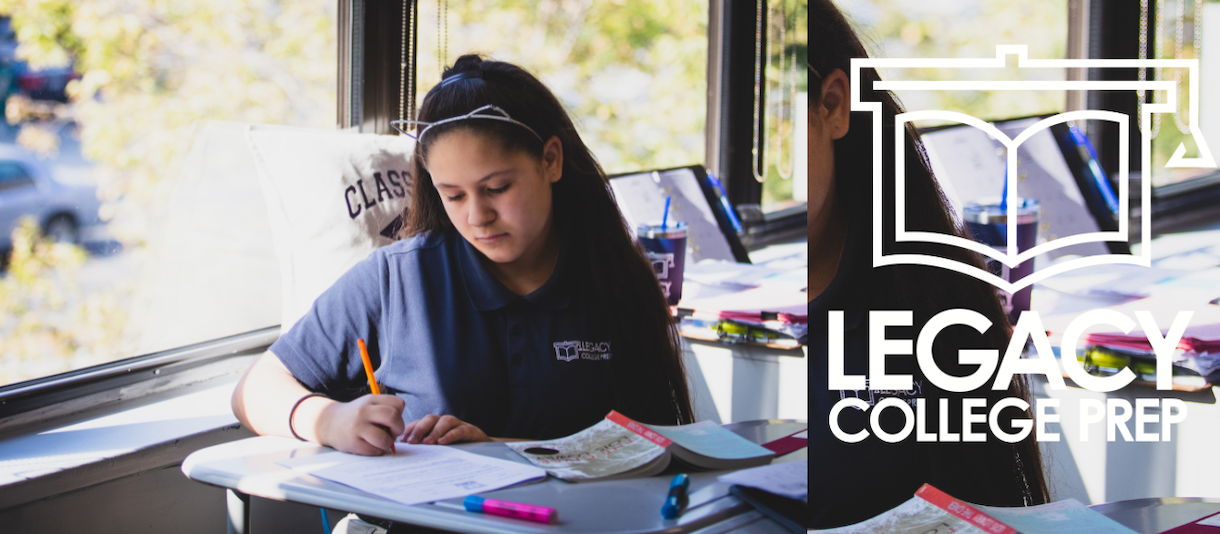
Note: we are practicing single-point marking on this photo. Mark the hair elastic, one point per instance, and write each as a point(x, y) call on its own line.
point(493, 112)
point(464, 75)
point(293, 412)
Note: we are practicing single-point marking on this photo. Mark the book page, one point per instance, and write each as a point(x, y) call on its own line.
point(1061, 516)
point(916, 516)
point(602, 450)
point(711, 440)
point(1212, 521)
point(416, 473)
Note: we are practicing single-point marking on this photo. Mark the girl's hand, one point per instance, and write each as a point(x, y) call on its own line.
point(442, 430)
point(365, 426)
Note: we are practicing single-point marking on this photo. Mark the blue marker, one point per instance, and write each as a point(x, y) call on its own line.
point(724, 202)
point(676, 500)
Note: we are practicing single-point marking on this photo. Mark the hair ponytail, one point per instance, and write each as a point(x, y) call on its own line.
point(923, 290)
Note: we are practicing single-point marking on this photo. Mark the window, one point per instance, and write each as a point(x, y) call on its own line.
point(112, 97)
point(633, 73)
point(115, 97)
point(1177, 30)
point(897, 29)
point(785, 105)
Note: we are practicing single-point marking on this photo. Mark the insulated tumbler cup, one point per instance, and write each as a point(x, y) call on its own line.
point(665, 247)
point(988, 224)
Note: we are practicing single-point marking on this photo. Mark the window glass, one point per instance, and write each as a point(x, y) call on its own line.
point(786, 102)
point(1184, 32)
point(633, 73)
point(966, 29)
point(111, 98)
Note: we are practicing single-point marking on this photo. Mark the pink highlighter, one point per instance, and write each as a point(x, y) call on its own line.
point(528, 512)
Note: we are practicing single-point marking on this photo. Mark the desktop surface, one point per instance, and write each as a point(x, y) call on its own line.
point(1152, 516)
point(248, 466)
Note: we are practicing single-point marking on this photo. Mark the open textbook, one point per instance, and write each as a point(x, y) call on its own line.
point(932, 511)
point(618, 447)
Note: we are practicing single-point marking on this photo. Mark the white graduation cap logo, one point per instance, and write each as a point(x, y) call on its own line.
point(1011, 257)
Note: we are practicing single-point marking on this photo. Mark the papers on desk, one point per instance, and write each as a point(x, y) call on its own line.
point(754, 296)
point(1210, 521)
point(736, 275)
point(1186, 286)
point(1198, 352)
point(788, 479)
point(416, 473)
point(1115, 279)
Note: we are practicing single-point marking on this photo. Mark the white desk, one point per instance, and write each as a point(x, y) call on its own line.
point(744, 382)
point(247, 467)
point(1095, 470)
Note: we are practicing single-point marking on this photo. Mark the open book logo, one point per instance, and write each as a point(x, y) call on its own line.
point(1012, 256)
point(567, 350)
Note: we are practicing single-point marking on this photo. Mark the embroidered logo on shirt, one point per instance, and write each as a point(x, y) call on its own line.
point(873, 396)
point(585, 350)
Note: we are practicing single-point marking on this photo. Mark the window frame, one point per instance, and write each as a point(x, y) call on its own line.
point(1110, 29)
point(370, 40)
point(49, 397)
point(730, 117)
point(368, 90)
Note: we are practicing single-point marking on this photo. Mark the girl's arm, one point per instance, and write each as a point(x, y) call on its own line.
point(266, 394)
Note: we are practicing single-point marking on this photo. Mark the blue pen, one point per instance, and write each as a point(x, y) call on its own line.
point(676, 500)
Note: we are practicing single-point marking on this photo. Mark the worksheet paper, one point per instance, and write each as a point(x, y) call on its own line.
point(641, 200)
point(1213, 521)
point(416, 473)
point(789, 479)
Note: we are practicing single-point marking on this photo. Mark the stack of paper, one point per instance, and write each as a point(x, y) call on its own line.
point(1198, 350)
point(417, 473)
point(788, 479)
point(757, 296)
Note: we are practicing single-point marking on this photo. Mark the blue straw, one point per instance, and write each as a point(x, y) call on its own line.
point(1004, 195)
point(665, 218)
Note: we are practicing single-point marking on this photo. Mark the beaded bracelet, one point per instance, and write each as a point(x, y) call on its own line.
point(294, 411)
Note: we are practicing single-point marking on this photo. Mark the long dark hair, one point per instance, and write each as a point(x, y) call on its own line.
point(994, 472)
point(648, 375)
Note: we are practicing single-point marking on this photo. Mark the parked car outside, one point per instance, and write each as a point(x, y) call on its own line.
point(62, 206)
point(16, 77)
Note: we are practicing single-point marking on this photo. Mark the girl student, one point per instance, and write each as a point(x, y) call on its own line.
point(516, 305)
point(851, 482)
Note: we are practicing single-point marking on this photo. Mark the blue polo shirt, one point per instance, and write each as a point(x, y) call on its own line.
point(446, 336)
point(849, 483)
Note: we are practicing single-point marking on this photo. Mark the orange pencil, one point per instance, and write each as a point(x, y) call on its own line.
point(368, 371)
